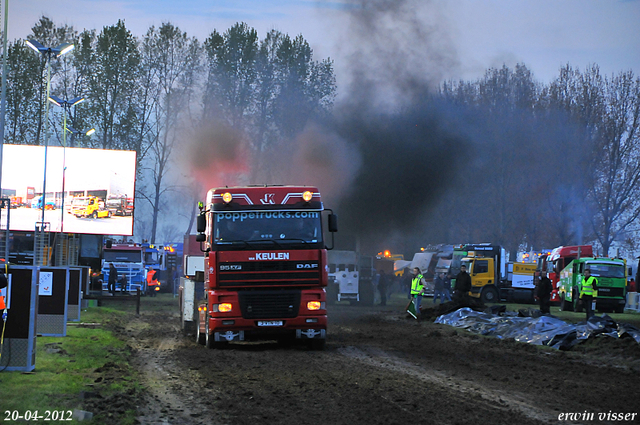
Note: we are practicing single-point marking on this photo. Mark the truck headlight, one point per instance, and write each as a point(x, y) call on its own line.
point(222, 308)
point(315, 305)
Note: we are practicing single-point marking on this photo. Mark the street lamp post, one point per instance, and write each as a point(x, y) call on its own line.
point(66, 105)
point(46, 52)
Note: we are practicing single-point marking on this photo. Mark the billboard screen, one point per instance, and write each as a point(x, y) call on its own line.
point(89, 191)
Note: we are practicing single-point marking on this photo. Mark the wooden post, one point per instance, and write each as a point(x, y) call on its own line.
point(138, 302)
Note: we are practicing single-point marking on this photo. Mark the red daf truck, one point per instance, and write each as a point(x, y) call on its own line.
point(265, 265)
point(555, 262)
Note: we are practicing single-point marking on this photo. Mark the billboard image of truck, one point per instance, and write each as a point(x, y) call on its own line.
point(88, 191)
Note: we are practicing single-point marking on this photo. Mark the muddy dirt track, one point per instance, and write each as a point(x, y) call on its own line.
point(378, 368)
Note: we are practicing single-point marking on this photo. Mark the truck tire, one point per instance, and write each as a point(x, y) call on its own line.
point(565, 305)
point(619, 309)
point(94, 214)
point(199, 335)
point(210, 342)
point(577, 305)
point(489, 295)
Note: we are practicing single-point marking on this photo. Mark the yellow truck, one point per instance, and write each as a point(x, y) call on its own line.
point(493, 279)
point(89, 206)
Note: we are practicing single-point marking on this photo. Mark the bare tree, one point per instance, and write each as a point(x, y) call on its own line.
point(614, 188)
point(175, 60)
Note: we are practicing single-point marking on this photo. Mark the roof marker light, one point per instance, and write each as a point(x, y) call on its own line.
point(307, 196)
point(227, 197)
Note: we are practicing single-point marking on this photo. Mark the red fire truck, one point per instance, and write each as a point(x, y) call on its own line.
point(553, 264)
point(265, 265)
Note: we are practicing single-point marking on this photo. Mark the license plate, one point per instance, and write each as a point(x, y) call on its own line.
point(270, 323)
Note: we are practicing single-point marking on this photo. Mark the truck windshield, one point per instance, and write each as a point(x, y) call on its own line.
point(122, 256)
point(281, 227)
point(80, 202)
point(606, 270)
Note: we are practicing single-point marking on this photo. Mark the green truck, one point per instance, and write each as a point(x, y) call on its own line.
point(612, 278)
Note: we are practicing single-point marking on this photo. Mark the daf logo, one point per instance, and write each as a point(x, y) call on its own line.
point(306, 266)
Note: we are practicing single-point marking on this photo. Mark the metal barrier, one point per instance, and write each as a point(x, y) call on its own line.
point(633, 302)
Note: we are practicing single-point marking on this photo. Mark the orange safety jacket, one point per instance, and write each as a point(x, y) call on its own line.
point(151, 278)
point(2, 304)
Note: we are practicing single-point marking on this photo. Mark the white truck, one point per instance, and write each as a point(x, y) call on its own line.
point(343, 271)
point(191, 290)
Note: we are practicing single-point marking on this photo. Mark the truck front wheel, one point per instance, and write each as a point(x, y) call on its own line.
point(199, 335)
point(209, 340)
point(577, 303)
point(489, 295)
point(565, 305)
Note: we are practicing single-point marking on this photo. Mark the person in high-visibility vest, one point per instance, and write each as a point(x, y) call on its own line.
point(417, 289)
point(3, 284)
point(588, 291)
point(152, 282)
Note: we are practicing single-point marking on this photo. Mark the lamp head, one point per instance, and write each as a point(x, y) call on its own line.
point(56, 100)
point(36, 45)
point(63, 49)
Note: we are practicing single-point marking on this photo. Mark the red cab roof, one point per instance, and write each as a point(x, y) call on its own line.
point(571, 252)
point(263, 197)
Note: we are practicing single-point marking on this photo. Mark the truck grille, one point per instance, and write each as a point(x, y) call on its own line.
point(603, 291)
point(289, 273)
point(269, 304)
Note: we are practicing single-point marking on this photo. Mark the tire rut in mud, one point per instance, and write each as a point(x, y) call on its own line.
point(171, 394)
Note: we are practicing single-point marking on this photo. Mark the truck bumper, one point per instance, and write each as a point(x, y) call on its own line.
point(241, 329)
point(610, 303)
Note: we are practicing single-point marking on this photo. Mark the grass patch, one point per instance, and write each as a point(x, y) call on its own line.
point(89, 360)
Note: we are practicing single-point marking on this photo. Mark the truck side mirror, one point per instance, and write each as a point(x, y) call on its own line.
point(201, 223)
point(200, 237)
point(333, 223)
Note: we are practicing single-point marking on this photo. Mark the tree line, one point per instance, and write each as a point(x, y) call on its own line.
point(550, 164)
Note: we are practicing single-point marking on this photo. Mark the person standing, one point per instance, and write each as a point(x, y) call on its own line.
point(4, 282)
point(417, 290)
point(406, 281)
point(463, 284)
point(113, 278)
point(383, 285)
point(544, 294)
point(446, 289)
point(588, 291)
point(152, 282)
point(438, 289)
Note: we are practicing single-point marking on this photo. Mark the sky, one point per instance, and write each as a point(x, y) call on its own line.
point(473, 34)
point(392, 47)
